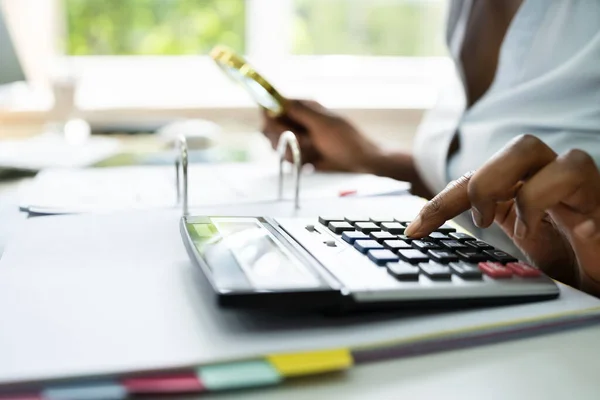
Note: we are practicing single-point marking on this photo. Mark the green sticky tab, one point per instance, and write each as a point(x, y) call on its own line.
point(203, 230)
point(238, 375)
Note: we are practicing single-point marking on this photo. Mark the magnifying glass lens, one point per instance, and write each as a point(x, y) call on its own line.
point(262, 96)
point(256, 86)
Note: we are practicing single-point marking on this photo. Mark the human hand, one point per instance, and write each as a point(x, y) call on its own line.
point(326, 140)
point(549, 205)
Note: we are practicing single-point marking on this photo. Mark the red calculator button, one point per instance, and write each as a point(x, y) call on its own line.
point(524, 270)
point(495, 270)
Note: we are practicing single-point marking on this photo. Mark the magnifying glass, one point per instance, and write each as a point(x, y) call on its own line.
point(238, 69)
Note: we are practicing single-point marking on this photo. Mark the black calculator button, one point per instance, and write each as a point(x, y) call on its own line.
point(472, 256)
point(445, 229)
point(412, 256)
point(380, 220)
point(339, 227)
point(442, 256)
point(355, 219)
point(437, 236)
point(461, 236)
point(353, 236)
point(382, 257)
point(500, 256)
point(404, 271)
point(405, 238)
point(436, 272)
point(396, 245)
point(367, 227)
point(380, 236)
point(326, 220)
point(425, 245)
point(466, 270)
point(478, 245)
point(365, 245)
point(454, 245)
point(393, 227)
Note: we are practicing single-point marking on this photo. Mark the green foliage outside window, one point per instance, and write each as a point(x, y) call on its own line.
point(170, 27)
point(153, 27)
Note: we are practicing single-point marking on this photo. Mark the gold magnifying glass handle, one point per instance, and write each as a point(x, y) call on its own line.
point(241, 72)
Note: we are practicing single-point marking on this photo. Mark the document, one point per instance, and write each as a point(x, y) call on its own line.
point(60, 191)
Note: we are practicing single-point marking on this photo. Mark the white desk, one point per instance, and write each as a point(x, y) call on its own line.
point(560, 366)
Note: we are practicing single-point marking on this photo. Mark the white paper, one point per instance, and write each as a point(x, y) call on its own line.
point(58, 191)
point(100, 294)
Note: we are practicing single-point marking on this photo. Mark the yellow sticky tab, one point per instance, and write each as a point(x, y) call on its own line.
point(298, 364)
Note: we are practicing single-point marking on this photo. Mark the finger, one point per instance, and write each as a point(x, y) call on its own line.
point(572, 179)
point(308, 153)
point(327, 165)
point(588, 230)
point(273, 132)
point(585, 241)
point(309, 114)
point(449, 203)
point(497, 180)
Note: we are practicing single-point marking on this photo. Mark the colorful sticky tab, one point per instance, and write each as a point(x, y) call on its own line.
point(86, 391)
point(238, 375)
point(298, 364)
point(172, 383)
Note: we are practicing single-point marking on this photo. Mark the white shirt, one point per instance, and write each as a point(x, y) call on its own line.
point(547, 83)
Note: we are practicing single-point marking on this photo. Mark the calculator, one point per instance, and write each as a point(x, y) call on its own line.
point(353, 262)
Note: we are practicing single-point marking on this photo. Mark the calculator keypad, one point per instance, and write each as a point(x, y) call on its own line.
point(353, 236)
point(381, 236)
point(443, 256)
point(365, 245)
point(393, 227)
point(367, 227)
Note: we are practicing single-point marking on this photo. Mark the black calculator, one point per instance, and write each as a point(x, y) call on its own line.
point(353, 262)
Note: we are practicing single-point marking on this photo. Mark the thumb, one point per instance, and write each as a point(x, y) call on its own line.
point(307, 113)
point(450, 202)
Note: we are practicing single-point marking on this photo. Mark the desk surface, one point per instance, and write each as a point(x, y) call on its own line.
point(556, 366)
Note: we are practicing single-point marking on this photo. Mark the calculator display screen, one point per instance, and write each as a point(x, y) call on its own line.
point(265, 262)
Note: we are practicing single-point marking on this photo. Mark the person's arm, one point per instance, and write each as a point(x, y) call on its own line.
point(548, 204)
point(399, 165)
point(330, 142)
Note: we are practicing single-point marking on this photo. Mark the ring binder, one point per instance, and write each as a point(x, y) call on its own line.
point(288, 138)
point(181, 161)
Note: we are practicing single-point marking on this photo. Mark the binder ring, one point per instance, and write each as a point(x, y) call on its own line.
point(181, 160)
point(289, 139)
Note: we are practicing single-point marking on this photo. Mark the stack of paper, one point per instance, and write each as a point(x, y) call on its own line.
point(109, 306)
point(59, 191)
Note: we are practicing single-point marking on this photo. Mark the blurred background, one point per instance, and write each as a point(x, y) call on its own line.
point(136, 65)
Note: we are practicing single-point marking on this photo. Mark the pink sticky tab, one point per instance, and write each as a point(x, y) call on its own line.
point(175, 383)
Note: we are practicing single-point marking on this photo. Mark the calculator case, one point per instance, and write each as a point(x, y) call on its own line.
point(268, 263)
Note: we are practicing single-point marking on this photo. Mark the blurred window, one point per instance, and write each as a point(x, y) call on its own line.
point(369, 27)
point(314, 27)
